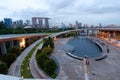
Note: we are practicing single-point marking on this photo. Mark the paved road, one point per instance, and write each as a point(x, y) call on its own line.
point(109, 68)
point(85, 69)
point(32, 64)
point(14, 69)
point(35, 70)
point(70, 69)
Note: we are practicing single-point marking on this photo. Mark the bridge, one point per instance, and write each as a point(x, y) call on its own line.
point(22, 39)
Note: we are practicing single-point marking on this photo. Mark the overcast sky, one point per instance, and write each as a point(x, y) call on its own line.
point(67, 11)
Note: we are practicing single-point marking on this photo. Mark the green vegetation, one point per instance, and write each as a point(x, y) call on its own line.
point(73, 34)
point(12, 54)
point(25, 69)
point(5, 30)
point(3, 68)
point(9, 58)
point(16, 50)
point(47, 64)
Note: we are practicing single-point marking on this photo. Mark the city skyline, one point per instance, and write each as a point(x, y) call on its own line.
point(88, 12)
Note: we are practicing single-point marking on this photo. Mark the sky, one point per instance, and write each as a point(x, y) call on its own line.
point(91, 12)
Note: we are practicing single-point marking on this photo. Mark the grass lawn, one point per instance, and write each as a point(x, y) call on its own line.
point(25, 68)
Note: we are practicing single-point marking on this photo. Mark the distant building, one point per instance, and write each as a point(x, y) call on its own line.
point(100, 25)
point(111, 26)
point(18, 23)
point(14, 25)
point(63, 25)
point(27, 27)
point(27, 22)
point(40, 22)
point(8, 22)
point(78, 25)
point(92, 26)
point(70, 25)
point(85, 25)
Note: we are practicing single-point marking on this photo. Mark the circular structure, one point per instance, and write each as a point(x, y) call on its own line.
point(85, 47)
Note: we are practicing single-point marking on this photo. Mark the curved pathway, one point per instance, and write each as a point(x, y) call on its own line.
point(14, 69)
point(32, 64)
point(72, 69)
point(35, 70)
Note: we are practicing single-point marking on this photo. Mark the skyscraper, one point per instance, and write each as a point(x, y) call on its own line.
point(8, 22)
point(76, 24)
point(100, 25)
point(20, 23)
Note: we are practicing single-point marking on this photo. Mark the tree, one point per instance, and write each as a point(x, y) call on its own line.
point(15, 49)
point(9, 58)
point(47, 50)
point(41, 59)
point(3, 68)
point(48, 42)
point(2, 25)
point(50, 66)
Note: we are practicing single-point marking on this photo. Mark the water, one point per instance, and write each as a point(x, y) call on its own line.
point(84, 47)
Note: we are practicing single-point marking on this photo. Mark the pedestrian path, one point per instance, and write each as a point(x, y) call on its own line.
point(33, 63)
point(85, 64)
point(14, 69)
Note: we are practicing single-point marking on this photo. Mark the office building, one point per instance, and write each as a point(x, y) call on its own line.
point(8, 22)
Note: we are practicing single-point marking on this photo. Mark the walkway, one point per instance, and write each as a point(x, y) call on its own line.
point(14, 69)
point(35, 70)
point(85, 69)
point(106, 69)
point(32, 63)
point(72, 69)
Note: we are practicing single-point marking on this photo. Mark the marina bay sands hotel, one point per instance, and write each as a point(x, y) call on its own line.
point(40, 22)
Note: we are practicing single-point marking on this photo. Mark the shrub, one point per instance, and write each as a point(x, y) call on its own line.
point(3, 68)
point(9, 58)
point(50, 67)
point(43, 60)
point(15, 49)
point(48, 42)
point(47, 50)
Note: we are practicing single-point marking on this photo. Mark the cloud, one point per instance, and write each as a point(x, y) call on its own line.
point(87, 11)
point(3, 8)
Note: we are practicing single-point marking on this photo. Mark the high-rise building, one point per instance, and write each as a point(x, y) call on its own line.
point(63, 25)
point(40, 22)
point(46, 23)
point(100, 25)
point(76, 25)
point(79, 25)
point(27, 22)
point(14, 25)
point(20, 23)
point(70, 25)
point(8, 22)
